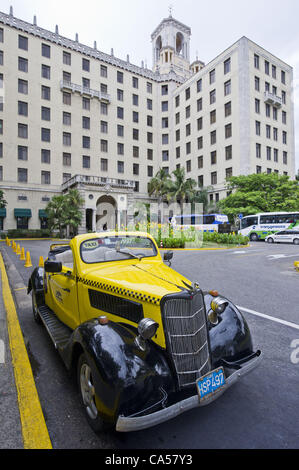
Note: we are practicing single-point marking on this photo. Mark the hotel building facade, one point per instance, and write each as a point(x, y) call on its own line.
point(72, 116)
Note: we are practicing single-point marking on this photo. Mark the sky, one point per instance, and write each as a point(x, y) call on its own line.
point(126, 26)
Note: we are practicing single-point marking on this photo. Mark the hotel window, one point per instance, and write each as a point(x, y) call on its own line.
point(149, 154)
point(23, 43)
point(104, 108)
point(257, 83)
point(45, 113)
point(45, 156)
point(256, 61)
point(267, 86)
point(22, 64)
point(228, 152)
point(258, 150)
point(149, 104)
point(104, 145)
point(227, 88)
point(199, 143)
point(213, 137)
point(66, 58)
point(214, 177)
point(120, 112)
point(227, 109)
point(66, 138)
point(135, 82)
point(135, 151)
point(46, 51)
point(213, 157)
point(149, 87)
point(187, 93)
point(1, 35)
point(275, 114)
point(268, 152)
point(135, 169)
point(267, 67)
point(22, 152)
point(85, 65)
point(164, 106)
point(268, 110)
point(104, 164)
point(103, 71)
point(274, 90)
point(67, 98)
point(268, 131)
point(46, 72)
point(1, 126)
point(213, 116)
point(212, 76)
point(120, 167)
point(188, 112)
point(104, 88)
point(257, 106)
point(177, 118)
point(120, 148)
point(164, 139)
point(283, 97)
point(104, 127)
point(228, 131)
point(273, 71)
point(200, 162)
point(66, 118)
point(258, 169)
point(178, 152)
point(165, 156)
point(212, 96)
point(86, 142)
point(150, 137)
point(45, 134)
point(199, 123)
point(149, 171)
point(135, 116)
point(284, 117)
point(177, 101)
point(135, 134)
point(188, 148)
point(200, 181)
point(120, 77)
point(46, 93)
point(188, 166)
point(227, 66)
point(22, 175)
point(120, 95)
point(136, 188)
point(22, 131)
point(228, 173)
point(199, 104)
point(1, 150)
point(22, 108)
point(188, 130)
point(85, 103)
point(257, 127)
point(283, 77)
point(164, 89)
point(199, 85)
point(120, 130)
point(85, 161)
point(275, 155)
point(45, 177)
point(135, 99)
point(164, 122)
point(285, 158)
point(23, 86)
point(85, 122)
point(284, 137)
point(177, 135)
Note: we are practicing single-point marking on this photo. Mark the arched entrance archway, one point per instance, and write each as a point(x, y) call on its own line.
point(106, 215)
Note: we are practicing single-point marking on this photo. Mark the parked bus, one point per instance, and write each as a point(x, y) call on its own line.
point(205, 223)
point(259, 226)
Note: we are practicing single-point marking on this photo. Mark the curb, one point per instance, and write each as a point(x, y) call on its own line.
point(34, 430)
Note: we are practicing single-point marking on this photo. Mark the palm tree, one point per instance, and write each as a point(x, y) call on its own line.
point(55, 211)
point(181, 189)
point(73, 203)
point(159, 186)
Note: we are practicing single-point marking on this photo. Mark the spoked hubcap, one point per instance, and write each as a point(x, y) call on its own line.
point(87, 391)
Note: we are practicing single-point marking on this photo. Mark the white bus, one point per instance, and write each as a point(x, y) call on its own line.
point(205, 223)
point(259, 226)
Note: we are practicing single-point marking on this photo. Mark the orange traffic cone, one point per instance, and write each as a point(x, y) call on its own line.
point(41, 262)
point(22, 257)
point(28, 263)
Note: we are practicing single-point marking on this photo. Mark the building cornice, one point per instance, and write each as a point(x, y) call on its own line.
point(62, 41)
point(172, 21)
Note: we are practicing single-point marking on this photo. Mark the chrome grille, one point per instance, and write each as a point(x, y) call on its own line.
point(187, 335)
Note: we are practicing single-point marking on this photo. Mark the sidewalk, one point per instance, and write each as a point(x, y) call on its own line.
point(10, 425)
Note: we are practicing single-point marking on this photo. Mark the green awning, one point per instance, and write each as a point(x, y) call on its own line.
point(42, 214)
point(3, 212)
point(23, 213)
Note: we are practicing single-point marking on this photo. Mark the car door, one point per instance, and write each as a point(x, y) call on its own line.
point(63, 291)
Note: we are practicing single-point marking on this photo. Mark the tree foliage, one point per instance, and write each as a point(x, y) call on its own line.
point(260, 193)
point(3, 202)
point(64, 210)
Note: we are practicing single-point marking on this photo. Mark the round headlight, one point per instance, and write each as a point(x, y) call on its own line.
point(218, 305)
point(147, 328)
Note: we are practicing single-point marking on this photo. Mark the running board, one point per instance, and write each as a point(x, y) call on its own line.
point(58, 331)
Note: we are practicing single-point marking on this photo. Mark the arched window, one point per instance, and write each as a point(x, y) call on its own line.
point(180, 43)
point(158, 47)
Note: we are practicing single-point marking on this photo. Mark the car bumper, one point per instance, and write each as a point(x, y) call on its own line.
point(128, 424)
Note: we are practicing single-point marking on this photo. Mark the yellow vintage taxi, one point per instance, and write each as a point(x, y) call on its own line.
point(145, 342)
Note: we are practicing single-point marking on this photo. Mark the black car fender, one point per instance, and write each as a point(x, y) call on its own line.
point(230, 339)
point(36, 284)
point(127, 380)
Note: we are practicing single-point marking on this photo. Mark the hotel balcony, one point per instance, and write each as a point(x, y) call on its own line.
point(73, 87)
point(270, 98)
point(100, 181)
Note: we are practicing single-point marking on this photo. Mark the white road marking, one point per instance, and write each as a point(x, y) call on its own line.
point(282, 256)
point(238, 252)
point(269, 317)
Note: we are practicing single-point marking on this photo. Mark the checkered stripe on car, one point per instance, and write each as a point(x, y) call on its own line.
point(119, 290)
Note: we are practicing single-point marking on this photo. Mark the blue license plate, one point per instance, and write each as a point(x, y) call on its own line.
point(211, 382)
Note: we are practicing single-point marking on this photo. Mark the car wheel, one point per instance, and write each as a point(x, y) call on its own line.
point(270, 240)
point(88, 395)
point(296, 241)
point(254, 237)
point(35, 309)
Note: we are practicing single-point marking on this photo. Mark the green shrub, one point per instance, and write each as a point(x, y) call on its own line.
point(17, 233)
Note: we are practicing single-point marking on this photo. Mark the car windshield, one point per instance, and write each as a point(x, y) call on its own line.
point(116, 248)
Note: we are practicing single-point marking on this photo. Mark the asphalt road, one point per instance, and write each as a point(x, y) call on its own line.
point(261, 411)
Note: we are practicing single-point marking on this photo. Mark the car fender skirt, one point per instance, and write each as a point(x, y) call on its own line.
point(126, 379)
point(36, 281)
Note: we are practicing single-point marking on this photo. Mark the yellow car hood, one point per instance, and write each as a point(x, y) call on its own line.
point(147, 281)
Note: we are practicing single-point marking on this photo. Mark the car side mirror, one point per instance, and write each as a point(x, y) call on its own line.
point(52, 266)
point(168, 256)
